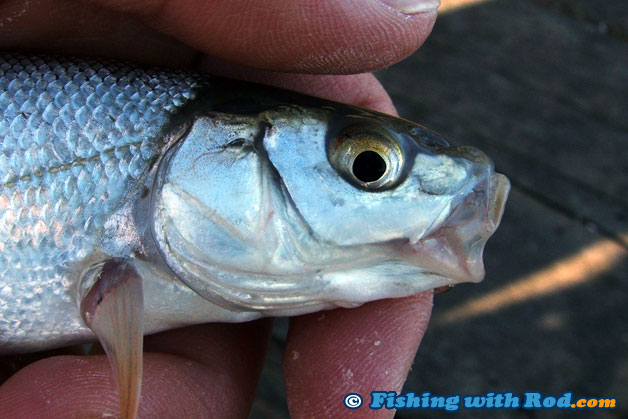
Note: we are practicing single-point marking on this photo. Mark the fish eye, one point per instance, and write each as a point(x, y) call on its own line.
point(368, 166)
point(368, 157)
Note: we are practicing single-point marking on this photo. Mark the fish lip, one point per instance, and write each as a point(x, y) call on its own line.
point(500, 188)
point(455, 250)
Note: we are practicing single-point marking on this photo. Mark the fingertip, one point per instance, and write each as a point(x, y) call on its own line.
point(331, 354)
point(235, 351)
point(41, 389)
point(201, 371)
point(73, 386)
point(362, 90)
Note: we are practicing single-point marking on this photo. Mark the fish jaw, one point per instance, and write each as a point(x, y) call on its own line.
point(455, 250)
point(451, 253)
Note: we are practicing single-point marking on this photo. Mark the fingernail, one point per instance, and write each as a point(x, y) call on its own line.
point(411, 7)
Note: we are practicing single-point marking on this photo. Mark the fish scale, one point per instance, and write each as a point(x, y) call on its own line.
point(73, 144)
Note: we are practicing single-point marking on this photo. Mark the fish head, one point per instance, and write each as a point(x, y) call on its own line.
point(297, 208)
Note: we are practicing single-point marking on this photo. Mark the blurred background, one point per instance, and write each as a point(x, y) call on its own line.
point(542, 87)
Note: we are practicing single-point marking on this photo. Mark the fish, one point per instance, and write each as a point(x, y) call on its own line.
point(135, 200)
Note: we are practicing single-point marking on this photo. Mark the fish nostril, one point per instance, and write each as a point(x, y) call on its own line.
point(368, 166)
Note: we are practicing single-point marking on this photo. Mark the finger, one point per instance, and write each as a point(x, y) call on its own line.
point(42, 389)
point(331, 354)
point(233, 353)
point(70, 27)
point(10, 364)
point(314, 36)
point(203, 371)
point(358, 89)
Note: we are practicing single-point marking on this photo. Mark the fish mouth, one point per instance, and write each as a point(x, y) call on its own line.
point(455, 250)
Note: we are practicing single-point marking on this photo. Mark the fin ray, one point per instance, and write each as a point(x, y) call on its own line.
point(114, 310)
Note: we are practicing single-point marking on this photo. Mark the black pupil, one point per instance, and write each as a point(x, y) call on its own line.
point(369, 166)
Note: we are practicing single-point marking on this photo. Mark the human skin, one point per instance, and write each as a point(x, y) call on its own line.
point(212, 370)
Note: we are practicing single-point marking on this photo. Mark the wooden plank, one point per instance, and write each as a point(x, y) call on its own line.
point(536, 90)
point(270, 398)
point(609, 16)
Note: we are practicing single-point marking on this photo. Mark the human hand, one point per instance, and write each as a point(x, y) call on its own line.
point(212, 370)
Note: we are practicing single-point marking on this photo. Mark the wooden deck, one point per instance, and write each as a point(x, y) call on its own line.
point(542, 87)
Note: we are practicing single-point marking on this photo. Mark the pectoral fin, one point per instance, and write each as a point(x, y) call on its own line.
point(113, 308)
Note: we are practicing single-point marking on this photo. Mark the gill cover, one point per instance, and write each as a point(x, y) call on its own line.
point(221, 222)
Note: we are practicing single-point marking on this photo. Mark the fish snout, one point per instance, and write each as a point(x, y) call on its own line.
point(455, 249)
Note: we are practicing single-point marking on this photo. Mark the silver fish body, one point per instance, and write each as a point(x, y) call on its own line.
point(231, 200)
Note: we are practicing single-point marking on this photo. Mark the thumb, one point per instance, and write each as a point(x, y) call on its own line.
point(313, 36)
